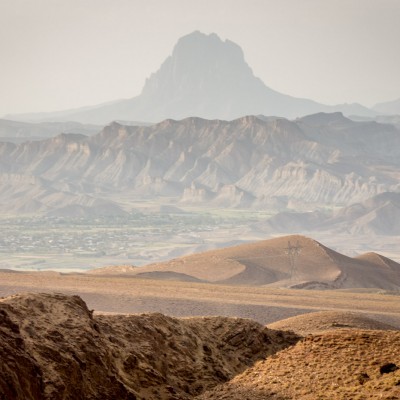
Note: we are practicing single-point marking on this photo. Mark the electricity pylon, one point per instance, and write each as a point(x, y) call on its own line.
point(293, 252)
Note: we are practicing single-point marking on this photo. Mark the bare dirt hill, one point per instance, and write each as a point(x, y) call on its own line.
point(379, 261)
point(52, 347)
point(328, 320)
point(259, 263)
point(339, 365)
point(289, 261)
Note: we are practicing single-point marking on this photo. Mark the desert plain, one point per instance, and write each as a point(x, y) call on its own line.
point(125, 294)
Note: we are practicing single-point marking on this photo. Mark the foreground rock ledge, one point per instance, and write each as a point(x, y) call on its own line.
point(52, 347)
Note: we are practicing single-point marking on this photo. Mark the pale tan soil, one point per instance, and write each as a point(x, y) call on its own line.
point(339, 365)
point(113, 270)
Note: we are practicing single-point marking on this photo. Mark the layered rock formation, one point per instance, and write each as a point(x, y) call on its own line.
point(319, 160)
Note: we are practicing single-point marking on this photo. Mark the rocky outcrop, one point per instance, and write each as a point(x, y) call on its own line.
point(53, 347)
point(59, 350)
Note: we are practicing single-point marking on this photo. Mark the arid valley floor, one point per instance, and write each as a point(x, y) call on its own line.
point(119, 294)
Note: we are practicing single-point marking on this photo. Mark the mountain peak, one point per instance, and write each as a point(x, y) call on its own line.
point(198, 44)
point(205, 77)
point(323, 118)
point(201, 70)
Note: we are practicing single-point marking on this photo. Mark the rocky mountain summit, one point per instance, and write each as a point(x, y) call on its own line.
point(203, 77)
point(322, 160)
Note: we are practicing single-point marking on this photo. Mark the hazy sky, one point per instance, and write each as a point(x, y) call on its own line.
point(58, 54)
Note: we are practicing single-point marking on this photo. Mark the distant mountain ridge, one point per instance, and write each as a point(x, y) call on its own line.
point(18, 131)
point(204, 77)
point(379, 215)
point(318, 160)
point(388, 107)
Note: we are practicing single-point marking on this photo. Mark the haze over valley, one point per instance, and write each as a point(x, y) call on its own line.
point(197, 182)
point(199, 200)
point(223, 164)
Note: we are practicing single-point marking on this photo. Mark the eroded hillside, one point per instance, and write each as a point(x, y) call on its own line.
point(323, 159)
point(52, 347)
